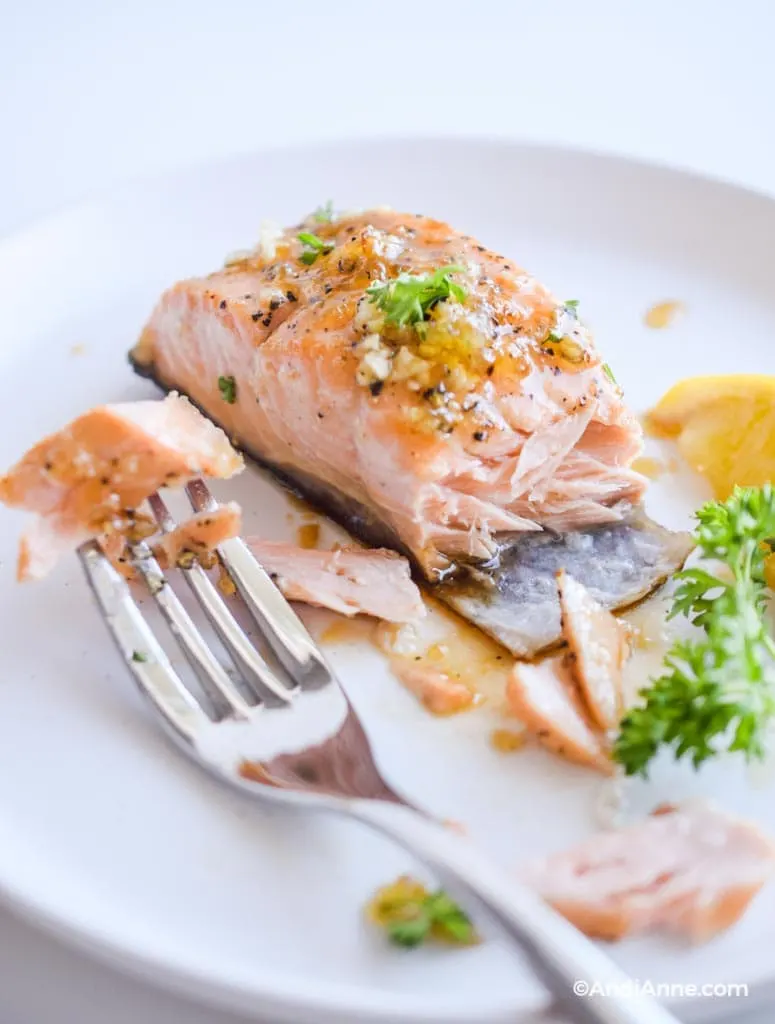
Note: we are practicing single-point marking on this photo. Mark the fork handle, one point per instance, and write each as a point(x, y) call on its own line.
point(559, 954)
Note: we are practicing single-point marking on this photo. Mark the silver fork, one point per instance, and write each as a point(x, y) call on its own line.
point(292, 737)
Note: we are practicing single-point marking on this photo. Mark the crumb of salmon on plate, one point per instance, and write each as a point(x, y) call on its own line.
point(690, 869)
point(90, 478)
point(347, 580)
point(599, 645)
point(435, 688)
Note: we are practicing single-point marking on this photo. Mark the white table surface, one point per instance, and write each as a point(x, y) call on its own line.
point(93, 92)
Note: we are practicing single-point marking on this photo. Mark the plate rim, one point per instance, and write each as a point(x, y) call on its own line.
point(336, 1002)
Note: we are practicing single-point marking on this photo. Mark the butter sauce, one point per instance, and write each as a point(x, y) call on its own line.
point(663, 314)
point(445, 644)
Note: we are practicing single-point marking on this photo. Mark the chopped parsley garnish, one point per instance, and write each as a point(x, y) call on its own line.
point(324, 214)
point(411, 931)
point(410, 914)
point(610, 374)
point(409, 298)
point(716, 692)
point(312, 247)
point(228, 389)
point(139, 656)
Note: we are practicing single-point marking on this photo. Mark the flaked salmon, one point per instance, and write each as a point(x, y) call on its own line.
point(89, 478)
point(545, 698)
point(348, 580)
point(196, 538)
point(691, 869)
point(571, 701)
point(599, 645)
point(433, 687)
point(429, 394)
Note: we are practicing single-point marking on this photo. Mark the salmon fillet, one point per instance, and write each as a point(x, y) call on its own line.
point(691, 869)
point(89, 478)
point(428, 393)
point(527, 433)
point(349, 580)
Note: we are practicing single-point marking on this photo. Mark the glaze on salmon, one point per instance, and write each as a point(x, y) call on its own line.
point(89, 478)
point(691, 869)
point(449, 437)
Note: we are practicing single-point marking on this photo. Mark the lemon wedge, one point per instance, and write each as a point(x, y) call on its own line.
point(724, 427)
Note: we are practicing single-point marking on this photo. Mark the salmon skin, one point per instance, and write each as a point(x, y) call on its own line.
point(515, 598)
point(426, 393)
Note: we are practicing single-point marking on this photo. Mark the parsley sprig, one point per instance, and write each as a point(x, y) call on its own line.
point(717, 692)
point(312, 247)
point(409, 298)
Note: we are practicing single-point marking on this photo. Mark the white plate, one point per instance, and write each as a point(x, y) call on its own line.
point(110, 837)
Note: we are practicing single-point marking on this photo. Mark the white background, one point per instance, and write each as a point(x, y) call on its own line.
point(92, 93)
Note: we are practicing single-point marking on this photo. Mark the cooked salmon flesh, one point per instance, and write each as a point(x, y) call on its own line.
point(690, 869)
point(349, 580)
point(89, 478)
point(427, 392)
point(483, 425)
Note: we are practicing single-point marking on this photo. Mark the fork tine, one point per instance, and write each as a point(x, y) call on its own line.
point(214, 679)
point(279, 624)
point(157, 679)
point(256, 672)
